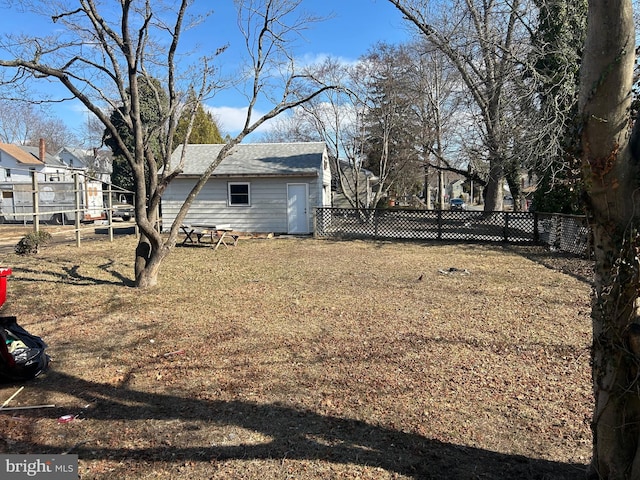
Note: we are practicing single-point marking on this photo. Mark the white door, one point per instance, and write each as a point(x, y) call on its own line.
point(297, 208)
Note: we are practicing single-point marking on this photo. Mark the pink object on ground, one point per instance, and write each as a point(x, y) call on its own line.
point(4, 273)
point(66, 418)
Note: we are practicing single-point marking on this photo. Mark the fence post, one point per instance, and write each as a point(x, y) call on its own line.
point(35, 198)
point(506, 227)
point(314, 221)
point(376, 218)
point(76, 188)
point(536, 232)
point(439, 224)
point(110, 212)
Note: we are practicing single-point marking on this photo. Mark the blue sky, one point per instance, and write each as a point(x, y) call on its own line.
point(352, 27)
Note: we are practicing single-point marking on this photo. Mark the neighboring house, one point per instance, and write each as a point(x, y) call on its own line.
point(528, 185)
point(17, 165)
point(57, 197)
point(54, 170)
point(366, 181)
point(96, 163)
point(258, 188)
point(17, 162)
point(455, 188)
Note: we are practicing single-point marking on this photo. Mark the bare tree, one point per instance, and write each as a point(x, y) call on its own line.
point(294, 127)
point(23, 123)
point(486, 42)
point(102, 55)
point(334, 116)
point(435, 88)
point(337, 118)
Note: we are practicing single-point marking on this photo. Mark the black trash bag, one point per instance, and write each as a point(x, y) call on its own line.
point(22, 355)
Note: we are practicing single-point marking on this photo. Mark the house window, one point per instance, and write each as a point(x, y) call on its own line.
point(8, 172)
point(239, 194)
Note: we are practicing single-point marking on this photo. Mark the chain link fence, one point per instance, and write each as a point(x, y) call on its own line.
point(560, 232)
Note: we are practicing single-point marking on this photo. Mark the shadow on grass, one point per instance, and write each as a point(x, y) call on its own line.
point(70, 275)
point(294, 434)
point(125, 229)
point(575, 266)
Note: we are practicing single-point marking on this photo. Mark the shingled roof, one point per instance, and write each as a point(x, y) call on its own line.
point(49, 159)
point(254, 159)
point(20, 154)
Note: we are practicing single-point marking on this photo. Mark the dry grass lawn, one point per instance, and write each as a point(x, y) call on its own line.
point(307, 359)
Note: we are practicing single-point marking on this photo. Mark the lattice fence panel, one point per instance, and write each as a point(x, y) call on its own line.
point(562, 232)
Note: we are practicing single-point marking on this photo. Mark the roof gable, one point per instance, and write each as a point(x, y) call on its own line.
point(20, 154)
point(254, 159)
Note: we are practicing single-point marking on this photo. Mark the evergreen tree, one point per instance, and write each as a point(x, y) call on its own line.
point(391, 130)
point(205, 129)
point(153, 105)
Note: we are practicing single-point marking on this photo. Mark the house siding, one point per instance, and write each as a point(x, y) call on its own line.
point(267, 212)
point(19, 172)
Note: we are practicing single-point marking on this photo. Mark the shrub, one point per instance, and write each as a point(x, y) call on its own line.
point(31, 243)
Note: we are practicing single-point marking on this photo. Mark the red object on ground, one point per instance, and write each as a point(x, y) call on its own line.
point(66, 418)
point(4, 273)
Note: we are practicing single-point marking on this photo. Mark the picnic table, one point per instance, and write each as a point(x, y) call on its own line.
point(219, 234)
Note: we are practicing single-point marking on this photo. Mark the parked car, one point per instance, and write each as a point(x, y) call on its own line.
point(457, 204)
point(123, 211)
point(507, 202)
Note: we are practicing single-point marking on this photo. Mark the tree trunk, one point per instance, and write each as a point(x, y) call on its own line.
point(611, 180)
point(441, 190)
point(615, 358)
point(516, 192)
point(493, 191)
point(148, 261)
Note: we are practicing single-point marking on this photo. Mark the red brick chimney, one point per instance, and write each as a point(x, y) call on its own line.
point(42, 151)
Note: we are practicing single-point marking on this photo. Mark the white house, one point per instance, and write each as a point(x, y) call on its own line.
point(17, 162)
point(17, 165)
point(57, 196)
point(96, 163)
point(261, 187)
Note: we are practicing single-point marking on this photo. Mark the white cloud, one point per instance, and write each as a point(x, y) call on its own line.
point(309, 59)
point(231, 119)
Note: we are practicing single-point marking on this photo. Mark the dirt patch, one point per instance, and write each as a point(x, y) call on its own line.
point(307, 359)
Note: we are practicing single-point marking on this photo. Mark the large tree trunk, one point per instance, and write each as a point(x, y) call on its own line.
point(151, 250)
point(611, 178)
point(148, 261)
point(494, 191)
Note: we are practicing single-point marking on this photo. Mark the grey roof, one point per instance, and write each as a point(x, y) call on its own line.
point(254, 159)
point(49, 159)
